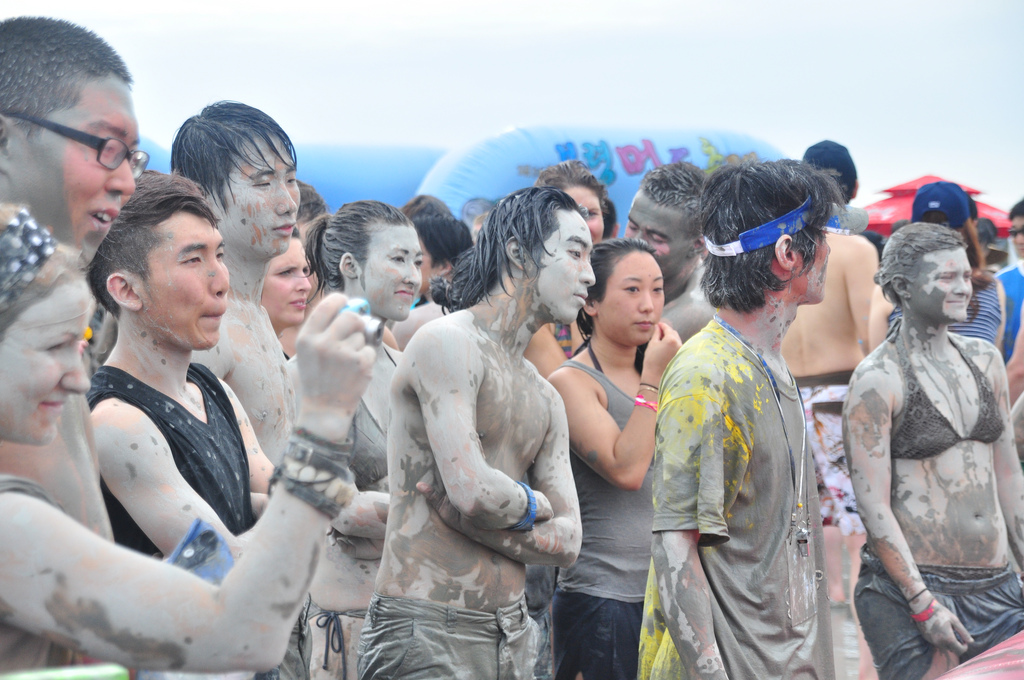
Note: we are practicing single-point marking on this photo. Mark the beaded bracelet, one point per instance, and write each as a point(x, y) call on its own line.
point(640, 401)
point(316, 471)
point(926, 614)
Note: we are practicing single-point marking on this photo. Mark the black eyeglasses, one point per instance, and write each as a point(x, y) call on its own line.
point(1016, 232)
point(110, 152)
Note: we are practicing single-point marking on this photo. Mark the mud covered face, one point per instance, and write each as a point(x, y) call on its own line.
point(633, 300)
point(564, 272)
point(287, 287)
point(261, 205)
point(665, 229)
point(390, 278)
point(941, 287)
point(42, 360)
point(185, 295)
point(66, 187)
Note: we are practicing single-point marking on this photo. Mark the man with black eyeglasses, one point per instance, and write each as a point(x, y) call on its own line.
point(68, 133)
point(59, 80)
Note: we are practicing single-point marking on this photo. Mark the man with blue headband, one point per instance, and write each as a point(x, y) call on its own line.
point(737, 586)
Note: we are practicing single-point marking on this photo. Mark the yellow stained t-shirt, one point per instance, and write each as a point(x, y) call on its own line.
point(722, 467)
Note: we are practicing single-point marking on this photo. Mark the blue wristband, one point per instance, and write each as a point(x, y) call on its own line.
point(526, 523)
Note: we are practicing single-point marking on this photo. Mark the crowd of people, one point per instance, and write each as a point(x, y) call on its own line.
point(530, 451)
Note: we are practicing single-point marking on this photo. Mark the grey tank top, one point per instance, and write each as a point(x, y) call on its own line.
point(20, 650)
point(616, 551)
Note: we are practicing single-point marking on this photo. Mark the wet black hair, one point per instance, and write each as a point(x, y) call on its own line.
point(443, 236)
point(529, 216)
point(223, 136)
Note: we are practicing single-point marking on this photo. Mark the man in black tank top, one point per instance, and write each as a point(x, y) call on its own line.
point(172, 441)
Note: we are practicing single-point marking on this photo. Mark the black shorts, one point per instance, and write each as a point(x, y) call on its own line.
point(991, 608)
point(595, 637)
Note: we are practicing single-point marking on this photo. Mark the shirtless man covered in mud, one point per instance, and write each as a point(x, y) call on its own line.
point(470, 417)
point(245, 163)
point(664, 214)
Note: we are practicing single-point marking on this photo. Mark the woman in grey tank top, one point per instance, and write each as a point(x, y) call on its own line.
point(370, 250)
point(610, 391)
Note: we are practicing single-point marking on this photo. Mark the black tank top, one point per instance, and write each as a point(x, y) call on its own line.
point(923, 432)
point(210, 456)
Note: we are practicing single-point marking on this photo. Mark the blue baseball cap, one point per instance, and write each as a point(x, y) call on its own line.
point(946, 197)
point(829, 155)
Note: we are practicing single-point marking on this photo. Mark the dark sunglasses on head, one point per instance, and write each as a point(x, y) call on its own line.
point(110, 152)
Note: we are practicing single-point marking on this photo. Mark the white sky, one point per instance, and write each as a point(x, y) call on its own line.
point(911, 87)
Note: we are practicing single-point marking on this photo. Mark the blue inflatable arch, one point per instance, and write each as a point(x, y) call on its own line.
point(346, 173)
point(471, 180)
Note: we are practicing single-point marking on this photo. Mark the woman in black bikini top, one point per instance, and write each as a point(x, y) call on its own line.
point(935, 471)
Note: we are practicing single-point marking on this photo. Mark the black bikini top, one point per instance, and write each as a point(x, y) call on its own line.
point(923, 431)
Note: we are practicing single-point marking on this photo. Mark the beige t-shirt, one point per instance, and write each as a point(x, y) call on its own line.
point(722, 466)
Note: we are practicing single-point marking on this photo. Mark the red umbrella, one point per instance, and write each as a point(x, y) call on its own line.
point(898, 206)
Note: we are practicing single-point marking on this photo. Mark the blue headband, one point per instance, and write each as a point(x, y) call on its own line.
point(767, 234)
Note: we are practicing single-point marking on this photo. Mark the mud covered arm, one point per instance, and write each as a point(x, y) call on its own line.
point(686, 601)
point(139, 469)
point(64, 582)
point(487, 497)
point(621, 457)
point(555, 541)
point(366, 516)
point(867, 428)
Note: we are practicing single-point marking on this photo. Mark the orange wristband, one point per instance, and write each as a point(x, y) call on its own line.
point(925, 614)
